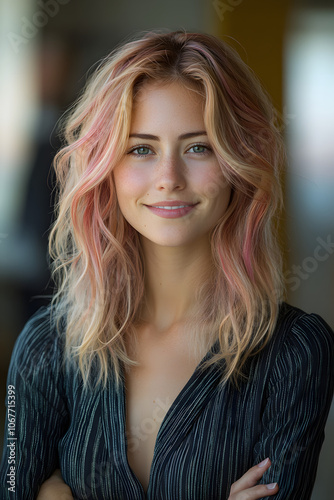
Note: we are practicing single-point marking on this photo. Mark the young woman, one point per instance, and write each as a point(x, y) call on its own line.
point(169, 365)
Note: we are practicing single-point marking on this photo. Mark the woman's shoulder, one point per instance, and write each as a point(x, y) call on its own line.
point(296, 325)
point(301, 343)
point(39, 345)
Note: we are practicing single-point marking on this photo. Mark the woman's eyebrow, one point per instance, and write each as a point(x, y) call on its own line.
point(156, 138)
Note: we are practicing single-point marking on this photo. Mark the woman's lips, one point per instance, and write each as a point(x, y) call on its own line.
point(171, 213)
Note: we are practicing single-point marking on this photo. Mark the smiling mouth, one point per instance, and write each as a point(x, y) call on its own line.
point(171, 212)
point(171, 208)
point(172, 205)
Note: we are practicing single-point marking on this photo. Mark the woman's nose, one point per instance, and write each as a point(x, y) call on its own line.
point(170, 173)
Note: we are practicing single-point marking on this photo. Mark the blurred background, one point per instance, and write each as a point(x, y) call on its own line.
point(47, 50)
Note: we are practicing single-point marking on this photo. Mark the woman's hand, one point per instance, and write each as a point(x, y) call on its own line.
point(55, 488)
point(246, 489)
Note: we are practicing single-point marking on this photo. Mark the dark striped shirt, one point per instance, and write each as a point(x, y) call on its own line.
point(209, 437)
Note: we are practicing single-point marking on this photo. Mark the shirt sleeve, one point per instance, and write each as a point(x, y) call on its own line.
point(299, 395)
point(36, 412)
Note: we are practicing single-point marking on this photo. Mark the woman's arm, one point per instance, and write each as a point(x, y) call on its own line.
point(299, 396)
point(56, 489)
point(36, 416)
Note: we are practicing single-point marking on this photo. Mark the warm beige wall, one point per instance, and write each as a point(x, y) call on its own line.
point(258, 27)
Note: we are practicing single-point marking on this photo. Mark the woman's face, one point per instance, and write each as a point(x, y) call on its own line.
point(169, 158)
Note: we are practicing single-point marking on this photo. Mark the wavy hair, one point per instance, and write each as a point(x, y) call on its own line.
point(98, 266)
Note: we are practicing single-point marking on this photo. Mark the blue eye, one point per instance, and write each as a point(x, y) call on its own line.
point(141, 151)
point(197, 147)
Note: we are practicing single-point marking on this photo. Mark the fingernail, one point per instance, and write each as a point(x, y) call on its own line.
point(271, 486)
point(263, 463)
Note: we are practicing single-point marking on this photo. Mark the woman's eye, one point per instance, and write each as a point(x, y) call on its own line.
point(199, 149)
point(140, 151)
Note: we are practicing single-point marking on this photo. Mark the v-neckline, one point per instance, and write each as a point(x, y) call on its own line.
point(183, 395)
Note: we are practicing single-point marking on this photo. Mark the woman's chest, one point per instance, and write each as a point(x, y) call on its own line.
point(113, 438)
point(150, 390)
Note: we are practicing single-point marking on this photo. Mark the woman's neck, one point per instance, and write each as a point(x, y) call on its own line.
point(173, 276)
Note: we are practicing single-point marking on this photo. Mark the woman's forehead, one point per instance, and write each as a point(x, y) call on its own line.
point(149, 84)
point(175, 104)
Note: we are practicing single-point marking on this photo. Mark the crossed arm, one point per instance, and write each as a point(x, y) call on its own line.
point(56, 489)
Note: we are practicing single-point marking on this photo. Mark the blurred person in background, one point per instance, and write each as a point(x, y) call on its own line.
point(169, 303)
point(27, 265)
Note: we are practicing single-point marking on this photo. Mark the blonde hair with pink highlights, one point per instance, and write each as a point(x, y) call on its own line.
point(98, 264)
